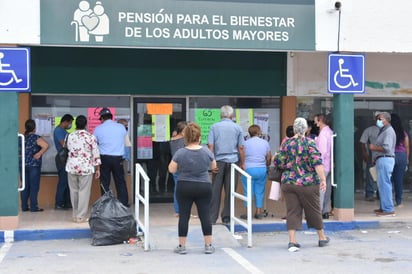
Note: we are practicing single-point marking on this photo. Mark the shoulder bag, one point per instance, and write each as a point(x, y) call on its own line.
point(61, 156)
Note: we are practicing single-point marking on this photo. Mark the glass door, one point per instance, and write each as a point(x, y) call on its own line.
point(155, 120)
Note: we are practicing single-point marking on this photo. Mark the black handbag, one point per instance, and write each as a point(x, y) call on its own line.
point(274, 174)
point(61, 156)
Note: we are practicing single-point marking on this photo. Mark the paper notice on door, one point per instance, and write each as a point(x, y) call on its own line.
point(157, 109)
point(161, 128)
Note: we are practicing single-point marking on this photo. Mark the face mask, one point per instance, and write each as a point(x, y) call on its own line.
point(69, 126)
point(379, 123)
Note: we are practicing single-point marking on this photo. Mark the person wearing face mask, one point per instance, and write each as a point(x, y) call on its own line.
point(369, 136)
point(385, 161)
point(62, 191)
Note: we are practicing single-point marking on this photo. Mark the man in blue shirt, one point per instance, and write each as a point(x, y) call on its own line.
point(62, 190)
point(226, 142)
point(111, 141)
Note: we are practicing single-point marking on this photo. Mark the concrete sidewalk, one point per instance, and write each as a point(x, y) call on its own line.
point(57, 224)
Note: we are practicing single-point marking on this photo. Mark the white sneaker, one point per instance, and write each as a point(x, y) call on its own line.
point(293, 247)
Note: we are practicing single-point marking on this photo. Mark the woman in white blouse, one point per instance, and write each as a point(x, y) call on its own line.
point(83, 160)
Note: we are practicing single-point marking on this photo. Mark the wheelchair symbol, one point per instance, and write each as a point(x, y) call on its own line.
point(12, 73)
point(342, 77)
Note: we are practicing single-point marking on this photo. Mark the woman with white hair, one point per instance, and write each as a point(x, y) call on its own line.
point(302, 177)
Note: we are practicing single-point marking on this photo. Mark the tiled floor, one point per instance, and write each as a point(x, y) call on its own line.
point(163, 214)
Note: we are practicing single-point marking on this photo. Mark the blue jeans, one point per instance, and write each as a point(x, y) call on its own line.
point(384, 167)
point(397, 175)
point(175, 204)
point(62, 190)
point(32, 188)
point(258, 184)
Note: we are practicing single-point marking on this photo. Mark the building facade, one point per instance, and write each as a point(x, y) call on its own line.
point(160, 62)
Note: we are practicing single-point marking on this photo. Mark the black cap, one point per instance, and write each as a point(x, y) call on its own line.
point(104, 111)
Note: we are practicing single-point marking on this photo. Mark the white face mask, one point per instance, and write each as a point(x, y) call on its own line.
point(379, 123)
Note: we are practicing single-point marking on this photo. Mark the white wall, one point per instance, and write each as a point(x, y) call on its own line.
point(388, 75)
point(19, 21)
point(366, 26)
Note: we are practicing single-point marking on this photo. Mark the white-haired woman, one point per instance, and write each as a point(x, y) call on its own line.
point(302, 177)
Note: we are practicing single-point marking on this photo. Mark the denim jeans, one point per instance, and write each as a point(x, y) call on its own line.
point(62, 190)
point(397, 175)
point(384, 167)
point(32, 188)
point(175, 203)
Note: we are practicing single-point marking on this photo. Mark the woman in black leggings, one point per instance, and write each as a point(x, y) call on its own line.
point(193, 163)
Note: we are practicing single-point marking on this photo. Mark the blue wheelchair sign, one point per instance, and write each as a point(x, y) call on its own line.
point(14, 69)
point(346, 73)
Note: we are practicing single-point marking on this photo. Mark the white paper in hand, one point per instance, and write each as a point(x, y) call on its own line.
point(373, 173)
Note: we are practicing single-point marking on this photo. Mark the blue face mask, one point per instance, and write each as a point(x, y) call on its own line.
point(379, 123)
point(69, 126)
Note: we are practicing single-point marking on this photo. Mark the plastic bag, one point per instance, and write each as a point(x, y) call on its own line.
point(111, 222)
point(275, 191)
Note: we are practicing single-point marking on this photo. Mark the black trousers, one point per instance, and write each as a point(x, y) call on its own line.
point(199, 193)
point(114, 165)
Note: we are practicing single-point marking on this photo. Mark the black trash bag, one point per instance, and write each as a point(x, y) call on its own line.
point(111, 222)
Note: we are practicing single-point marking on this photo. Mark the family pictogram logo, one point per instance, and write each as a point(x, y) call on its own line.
point(90, 22)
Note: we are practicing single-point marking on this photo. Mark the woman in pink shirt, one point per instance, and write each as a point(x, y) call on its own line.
point(324, 145)
point(401, 157)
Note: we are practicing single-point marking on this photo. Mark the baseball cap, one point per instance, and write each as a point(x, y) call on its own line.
point(104, 111)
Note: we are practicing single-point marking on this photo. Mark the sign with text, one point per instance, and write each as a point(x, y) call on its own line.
point(93, 116)
point(206, 117)
point(210, 24)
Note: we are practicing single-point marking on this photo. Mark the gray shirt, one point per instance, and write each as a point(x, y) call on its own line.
point(226, 136)
point(387, 140)
point(193, 164)
point(176, 144)
point(369, 136)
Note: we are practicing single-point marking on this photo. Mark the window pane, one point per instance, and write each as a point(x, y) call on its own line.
point(47, 110)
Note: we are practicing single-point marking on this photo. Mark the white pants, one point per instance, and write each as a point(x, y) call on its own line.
point(80, 187)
